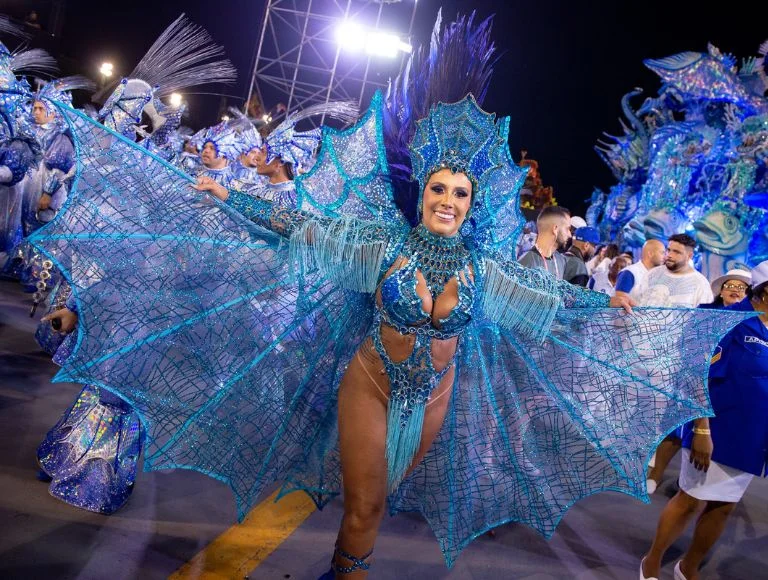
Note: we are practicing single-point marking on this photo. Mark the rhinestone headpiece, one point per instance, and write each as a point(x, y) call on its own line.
point(465, 139)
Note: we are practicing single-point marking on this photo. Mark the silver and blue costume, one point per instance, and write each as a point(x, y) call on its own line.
point(18, 147)
point(92, 452)
point(555, 397)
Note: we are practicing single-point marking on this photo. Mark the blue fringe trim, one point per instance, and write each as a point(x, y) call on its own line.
point(517, 307)
point(403, 439)
point(343, 249)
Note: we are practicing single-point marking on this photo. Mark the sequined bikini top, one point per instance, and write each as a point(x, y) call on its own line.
point(438, 259)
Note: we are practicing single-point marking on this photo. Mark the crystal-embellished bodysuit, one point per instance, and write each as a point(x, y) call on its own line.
point(399, 305)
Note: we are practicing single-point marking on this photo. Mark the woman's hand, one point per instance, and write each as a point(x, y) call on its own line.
point(701, 451)
point(207, 184)
point(63, 320)
point(622, 300)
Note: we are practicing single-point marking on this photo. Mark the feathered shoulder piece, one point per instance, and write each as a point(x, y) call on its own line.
point(184, 55)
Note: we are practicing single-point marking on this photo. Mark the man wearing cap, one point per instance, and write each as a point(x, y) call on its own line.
point(585, 239)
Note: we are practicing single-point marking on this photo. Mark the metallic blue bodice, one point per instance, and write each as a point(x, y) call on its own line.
point(402, 306)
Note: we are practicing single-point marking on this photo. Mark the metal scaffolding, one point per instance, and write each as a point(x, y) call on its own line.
point(299, 61)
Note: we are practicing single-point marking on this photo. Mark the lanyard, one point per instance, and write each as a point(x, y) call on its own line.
point(554, 262)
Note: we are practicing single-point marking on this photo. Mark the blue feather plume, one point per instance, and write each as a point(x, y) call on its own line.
point(459, 61)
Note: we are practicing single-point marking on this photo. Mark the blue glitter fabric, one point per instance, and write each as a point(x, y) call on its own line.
point(92, 453)
point(230, 343)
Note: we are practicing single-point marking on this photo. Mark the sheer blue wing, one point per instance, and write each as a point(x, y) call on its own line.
point(190, 313)
point(535, 427)
point(351, 177)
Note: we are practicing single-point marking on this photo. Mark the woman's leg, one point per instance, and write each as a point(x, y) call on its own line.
point(709, 528)
point(667, 449)
point(362, 437)
point(673, 520)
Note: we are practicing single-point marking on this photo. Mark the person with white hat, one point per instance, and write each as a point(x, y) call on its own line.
point(721, 454)
point(730, 288)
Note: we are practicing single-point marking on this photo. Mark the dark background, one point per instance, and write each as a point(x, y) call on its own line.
point(563, 69)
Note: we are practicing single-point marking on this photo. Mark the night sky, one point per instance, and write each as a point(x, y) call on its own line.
point(563, 69)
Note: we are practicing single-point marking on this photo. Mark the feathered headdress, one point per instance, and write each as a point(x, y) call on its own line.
point(465, 139)
point(459, 62)
point(180, 58)
point(248, 136)
point(60, 90)
point(12, 29)
point(224, 139)
point(297, 147)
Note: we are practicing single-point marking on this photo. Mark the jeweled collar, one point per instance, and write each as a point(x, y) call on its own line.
point(439, 258)
point(424, 236)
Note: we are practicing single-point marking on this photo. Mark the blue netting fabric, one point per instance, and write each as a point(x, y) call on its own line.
point(195, 316)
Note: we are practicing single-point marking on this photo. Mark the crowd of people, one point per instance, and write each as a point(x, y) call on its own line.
point(720, 455)
point(362, 334)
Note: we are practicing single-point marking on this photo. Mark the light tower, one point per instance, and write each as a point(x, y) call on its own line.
point(316, 51)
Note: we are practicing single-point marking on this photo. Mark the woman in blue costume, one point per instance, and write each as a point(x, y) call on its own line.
point(421, 362)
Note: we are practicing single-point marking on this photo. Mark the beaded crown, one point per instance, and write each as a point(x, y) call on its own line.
point(464, 138)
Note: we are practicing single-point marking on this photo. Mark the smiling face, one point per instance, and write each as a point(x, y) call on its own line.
point(446, 201)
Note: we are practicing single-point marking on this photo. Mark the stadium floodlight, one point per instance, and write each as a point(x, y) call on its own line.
point(354, 38)
point(106, 69)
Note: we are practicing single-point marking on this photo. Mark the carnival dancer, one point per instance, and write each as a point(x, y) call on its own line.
point(427, 343)
point(18, 147)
